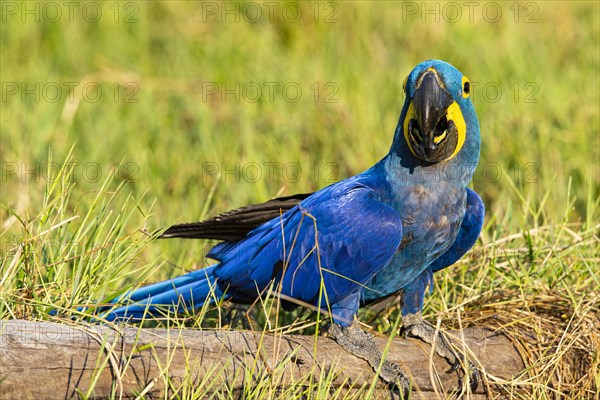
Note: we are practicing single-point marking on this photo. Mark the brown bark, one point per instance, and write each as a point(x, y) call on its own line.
point(40, 360)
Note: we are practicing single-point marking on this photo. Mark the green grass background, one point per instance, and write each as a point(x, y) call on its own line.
point(139, 153)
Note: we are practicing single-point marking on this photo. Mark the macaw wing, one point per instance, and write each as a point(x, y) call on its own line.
point(324, 249)
point(468, 234)
point(235, 224)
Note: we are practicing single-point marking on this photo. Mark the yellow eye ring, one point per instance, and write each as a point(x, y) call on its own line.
point(466, 87)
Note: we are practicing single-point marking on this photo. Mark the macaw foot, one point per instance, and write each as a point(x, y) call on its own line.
point(415, 326)
point(361, 344)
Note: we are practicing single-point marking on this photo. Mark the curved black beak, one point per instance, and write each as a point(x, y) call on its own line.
point(430, 103)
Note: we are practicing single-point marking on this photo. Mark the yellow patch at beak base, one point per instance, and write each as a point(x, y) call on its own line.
point(453, 114)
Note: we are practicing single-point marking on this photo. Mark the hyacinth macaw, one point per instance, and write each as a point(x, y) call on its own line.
point(382, 232)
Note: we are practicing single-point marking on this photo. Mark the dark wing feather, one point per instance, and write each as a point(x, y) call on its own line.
point(235, 224)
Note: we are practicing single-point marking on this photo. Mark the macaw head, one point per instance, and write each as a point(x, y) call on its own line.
point(438, 115)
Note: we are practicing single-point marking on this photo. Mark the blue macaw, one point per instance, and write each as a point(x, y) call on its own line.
point(382, 232)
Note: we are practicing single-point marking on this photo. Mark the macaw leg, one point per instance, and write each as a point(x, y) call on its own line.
point(415, 326)
point(361, 344)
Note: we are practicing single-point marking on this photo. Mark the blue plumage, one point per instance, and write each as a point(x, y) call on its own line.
point(366, 237)
point(469, 231)
point(184, 293)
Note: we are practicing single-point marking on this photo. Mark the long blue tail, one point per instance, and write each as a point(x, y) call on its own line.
point(182, 294)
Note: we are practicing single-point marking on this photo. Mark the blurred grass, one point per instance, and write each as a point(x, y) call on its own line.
point(143, 154)
point(174, 127)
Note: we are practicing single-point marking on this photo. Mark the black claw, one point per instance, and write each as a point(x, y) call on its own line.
point(397, 387)
point(403, 332)
point(403, 391)
point(454, 367)
point(405, 394)
point(474, 376)
point(474, 381)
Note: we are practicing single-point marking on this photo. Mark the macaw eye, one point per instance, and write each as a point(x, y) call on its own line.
point(466, 87)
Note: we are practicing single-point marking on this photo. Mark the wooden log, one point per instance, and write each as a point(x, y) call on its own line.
point(42, 360)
